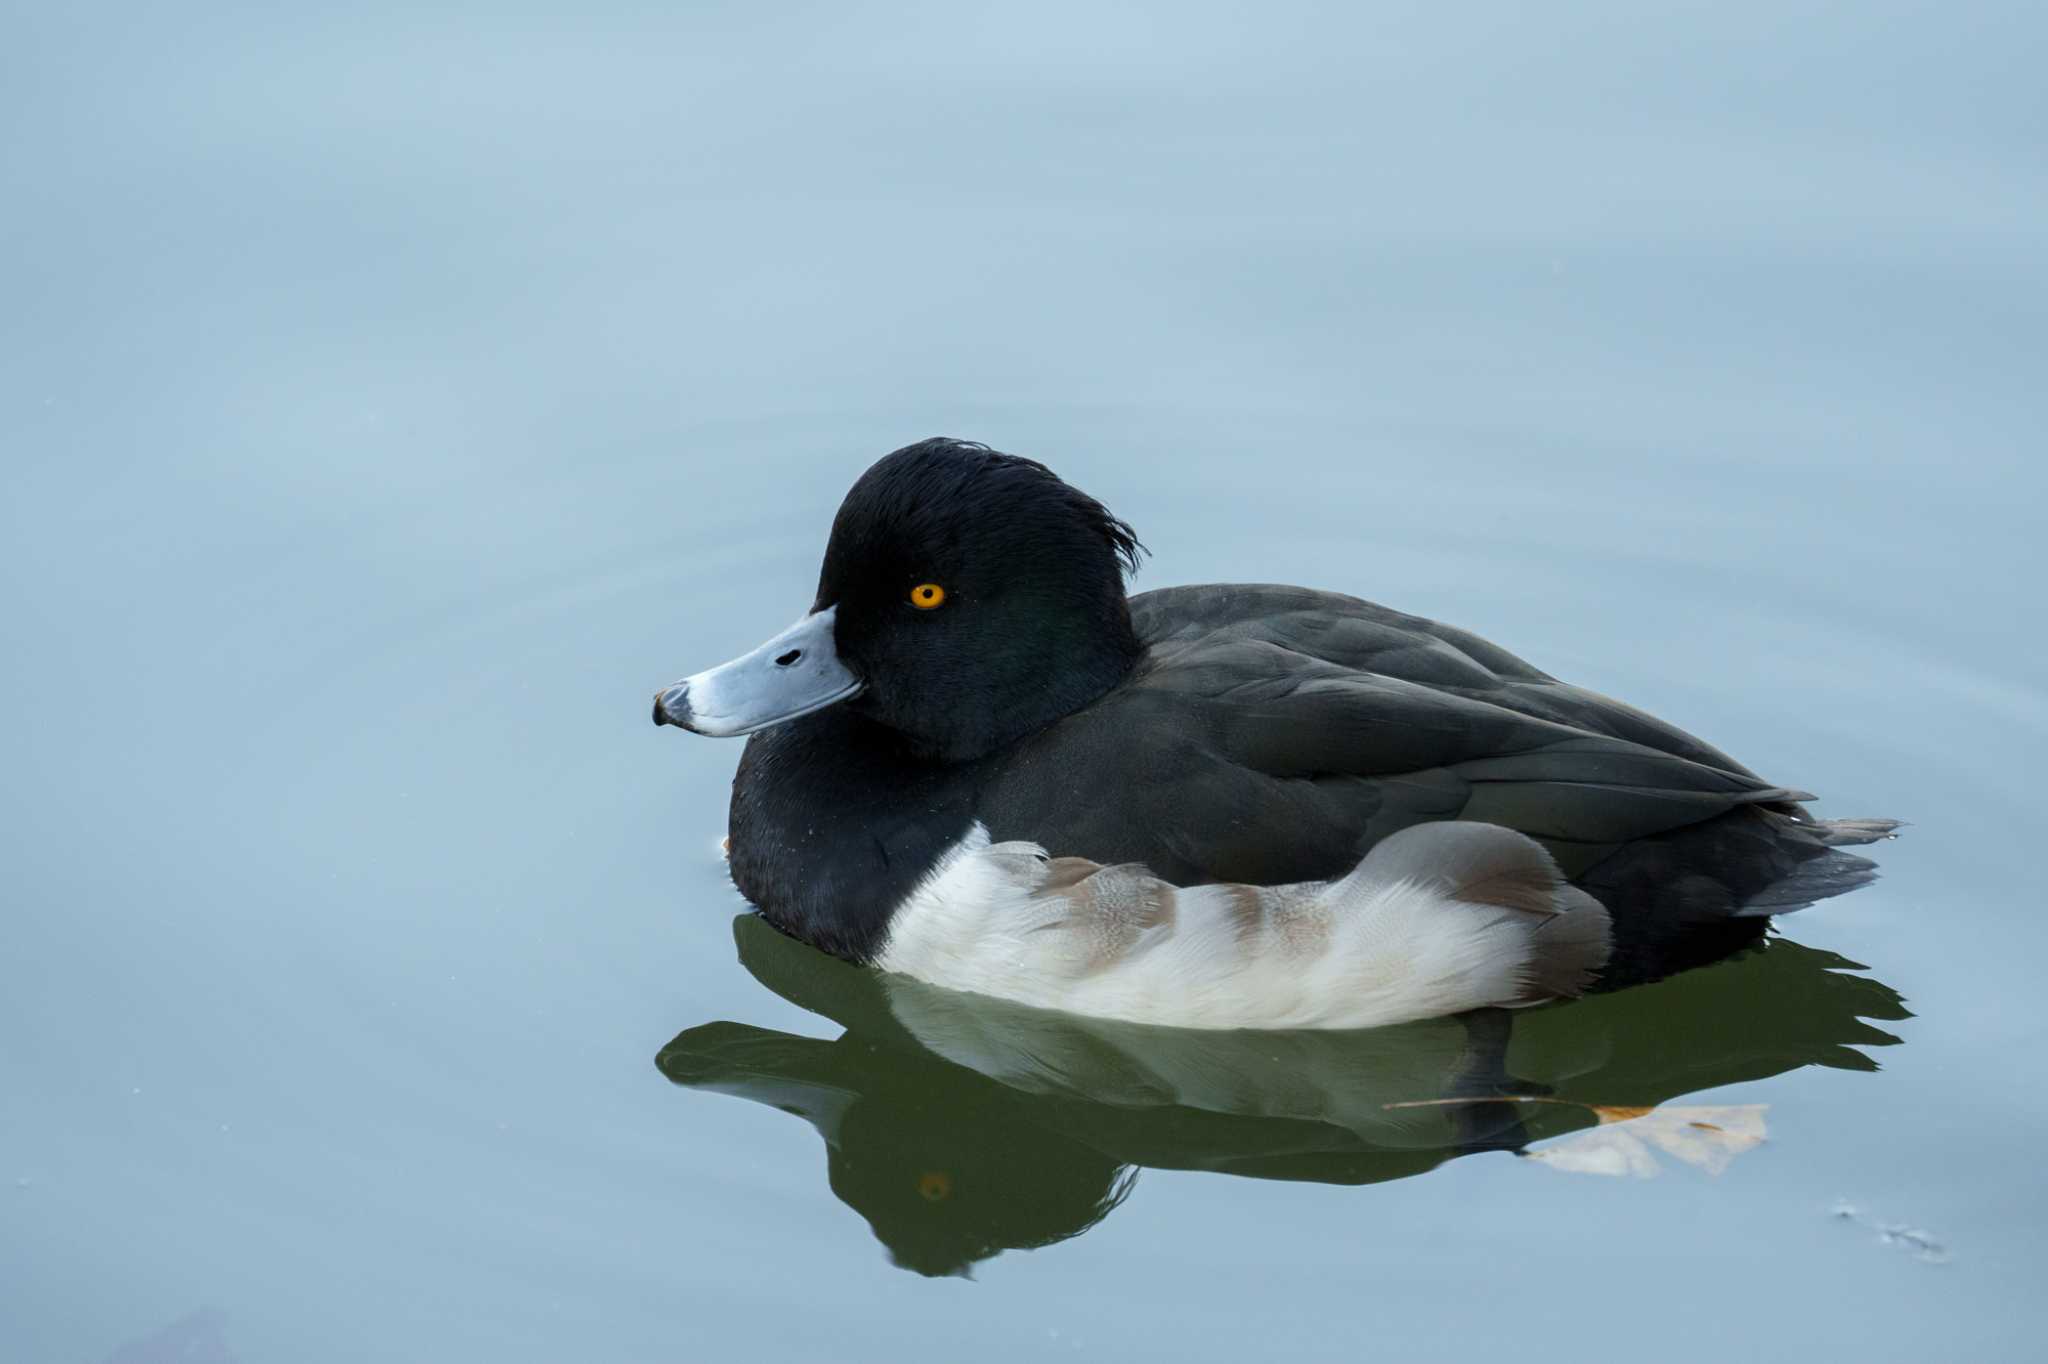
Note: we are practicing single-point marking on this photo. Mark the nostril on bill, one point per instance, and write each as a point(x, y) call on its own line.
point(792, 656)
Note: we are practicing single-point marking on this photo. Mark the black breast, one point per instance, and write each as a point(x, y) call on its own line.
point(833, 823)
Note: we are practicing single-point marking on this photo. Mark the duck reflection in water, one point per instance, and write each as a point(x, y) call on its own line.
point(961, 1126)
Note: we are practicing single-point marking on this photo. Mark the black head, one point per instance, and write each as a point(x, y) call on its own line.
point(978, 597)
point(968, 598)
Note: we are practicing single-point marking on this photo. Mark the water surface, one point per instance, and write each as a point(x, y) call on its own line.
point(391, 400)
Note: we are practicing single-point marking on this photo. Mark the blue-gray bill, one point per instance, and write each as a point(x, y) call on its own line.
point(793, 674)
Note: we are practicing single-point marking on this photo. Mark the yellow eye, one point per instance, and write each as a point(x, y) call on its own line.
point(926, 596)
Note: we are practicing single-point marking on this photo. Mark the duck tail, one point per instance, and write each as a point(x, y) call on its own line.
point(1838, 833)
point(1822, 877)
point(1824, 874)
point(1694, 895)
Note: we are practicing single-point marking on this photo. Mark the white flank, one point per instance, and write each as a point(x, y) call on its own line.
point(1115, 942)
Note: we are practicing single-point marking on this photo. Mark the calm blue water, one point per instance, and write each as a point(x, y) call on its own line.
point(390, 400)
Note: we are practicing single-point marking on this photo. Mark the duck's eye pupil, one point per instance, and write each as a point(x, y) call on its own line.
point(925, 596)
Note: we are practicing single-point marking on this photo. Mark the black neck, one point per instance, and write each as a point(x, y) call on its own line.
point(834, 821)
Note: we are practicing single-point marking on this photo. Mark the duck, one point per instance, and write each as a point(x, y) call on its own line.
point(979, 762)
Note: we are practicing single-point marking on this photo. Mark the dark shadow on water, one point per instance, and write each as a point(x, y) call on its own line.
point(961, 1126)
